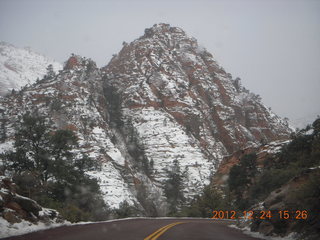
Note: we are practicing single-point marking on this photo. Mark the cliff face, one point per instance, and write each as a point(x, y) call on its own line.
point(162, 98)
point(167, 71)
point(264, 154)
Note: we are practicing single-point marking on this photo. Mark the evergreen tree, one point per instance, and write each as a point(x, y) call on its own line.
point(125, 210)
point(203, 206)
point(173, 188)
point(240, 178)
point(46, 170)
point(50, 71)
point(3, 131)
point(114, 102)
point(241, 174)
point(31, 144)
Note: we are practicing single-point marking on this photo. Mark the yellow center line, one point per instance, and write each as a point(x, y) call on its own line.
point(159, 232)
point(152, 234)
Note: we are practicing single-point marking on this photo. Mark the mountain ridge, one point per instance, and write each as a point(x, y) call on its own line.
point(161, 99)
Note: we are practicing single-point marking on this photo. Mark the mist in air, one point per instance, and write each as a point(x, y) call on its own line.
point(273, 46)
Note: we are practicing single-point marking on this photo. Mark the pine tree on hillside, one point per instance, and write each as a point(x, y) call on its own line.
point(50, 72)
point(45, 169)
point(173, 188)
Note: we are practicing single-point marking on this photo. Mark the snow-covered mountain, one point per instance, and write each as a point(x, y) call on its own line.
point(301, 123)
point(161, 99)
point(21, 66)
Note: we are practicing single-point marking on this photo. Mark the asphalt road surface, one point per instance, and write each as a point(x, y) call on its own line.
point(143, 229)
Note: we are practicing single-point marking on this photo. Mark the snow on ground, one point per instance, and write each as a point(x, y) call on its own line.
point(246, 230)
point(112, 185)
point(313, 168)
point(274, 147)
point(6, 146)
point(25, 227)
point(8, 229)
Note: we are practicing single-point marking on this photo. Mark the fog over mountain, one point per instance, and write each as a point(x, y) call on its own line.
point(271, 45)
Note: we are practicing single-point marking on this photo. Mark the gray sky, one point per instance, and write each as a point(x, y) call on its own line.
point(273, 46)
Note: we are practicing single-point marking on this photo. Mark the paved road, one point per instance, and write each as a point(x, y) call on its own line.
point(142, 229)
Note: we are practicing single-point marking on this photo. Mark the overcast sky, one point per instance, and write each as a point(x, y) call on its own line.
point(273, 46)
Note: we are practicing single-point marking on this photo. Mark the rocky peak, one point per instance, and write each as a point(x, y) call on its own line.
point(167, 70)
point(170, 38)
point(179, 100)
point(162, 29)
point(76, 61)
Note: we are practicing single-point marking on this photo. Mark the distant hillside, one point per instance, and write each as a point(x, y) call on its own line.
point(21, 66)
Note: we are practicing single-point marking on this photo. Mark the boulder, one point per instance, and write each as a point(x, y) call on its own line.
point(28, 204)
point(11, 216)
point(47, 215)
point(14, 206)
point(17, 208)
point(266, 228)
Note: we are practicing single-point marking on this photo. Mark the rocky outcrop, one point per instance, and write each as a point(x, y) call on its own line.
point(281, 200)
point(15, 208)
point(264, 153)
point(290, 206)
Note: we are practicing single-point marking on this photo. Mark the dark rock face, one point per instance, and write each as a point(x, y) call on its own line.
point(28, 205)
point(280, 201)
point(266, 228)
point(161, 98)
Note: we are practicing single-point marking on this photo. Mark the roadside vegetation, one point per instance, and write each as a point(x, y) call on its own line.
point(45, 168)
point(247, 185)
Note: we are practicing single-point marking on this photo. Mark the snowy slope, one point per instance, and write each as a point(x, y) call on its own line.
point(21, 66)
point(71, 99)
